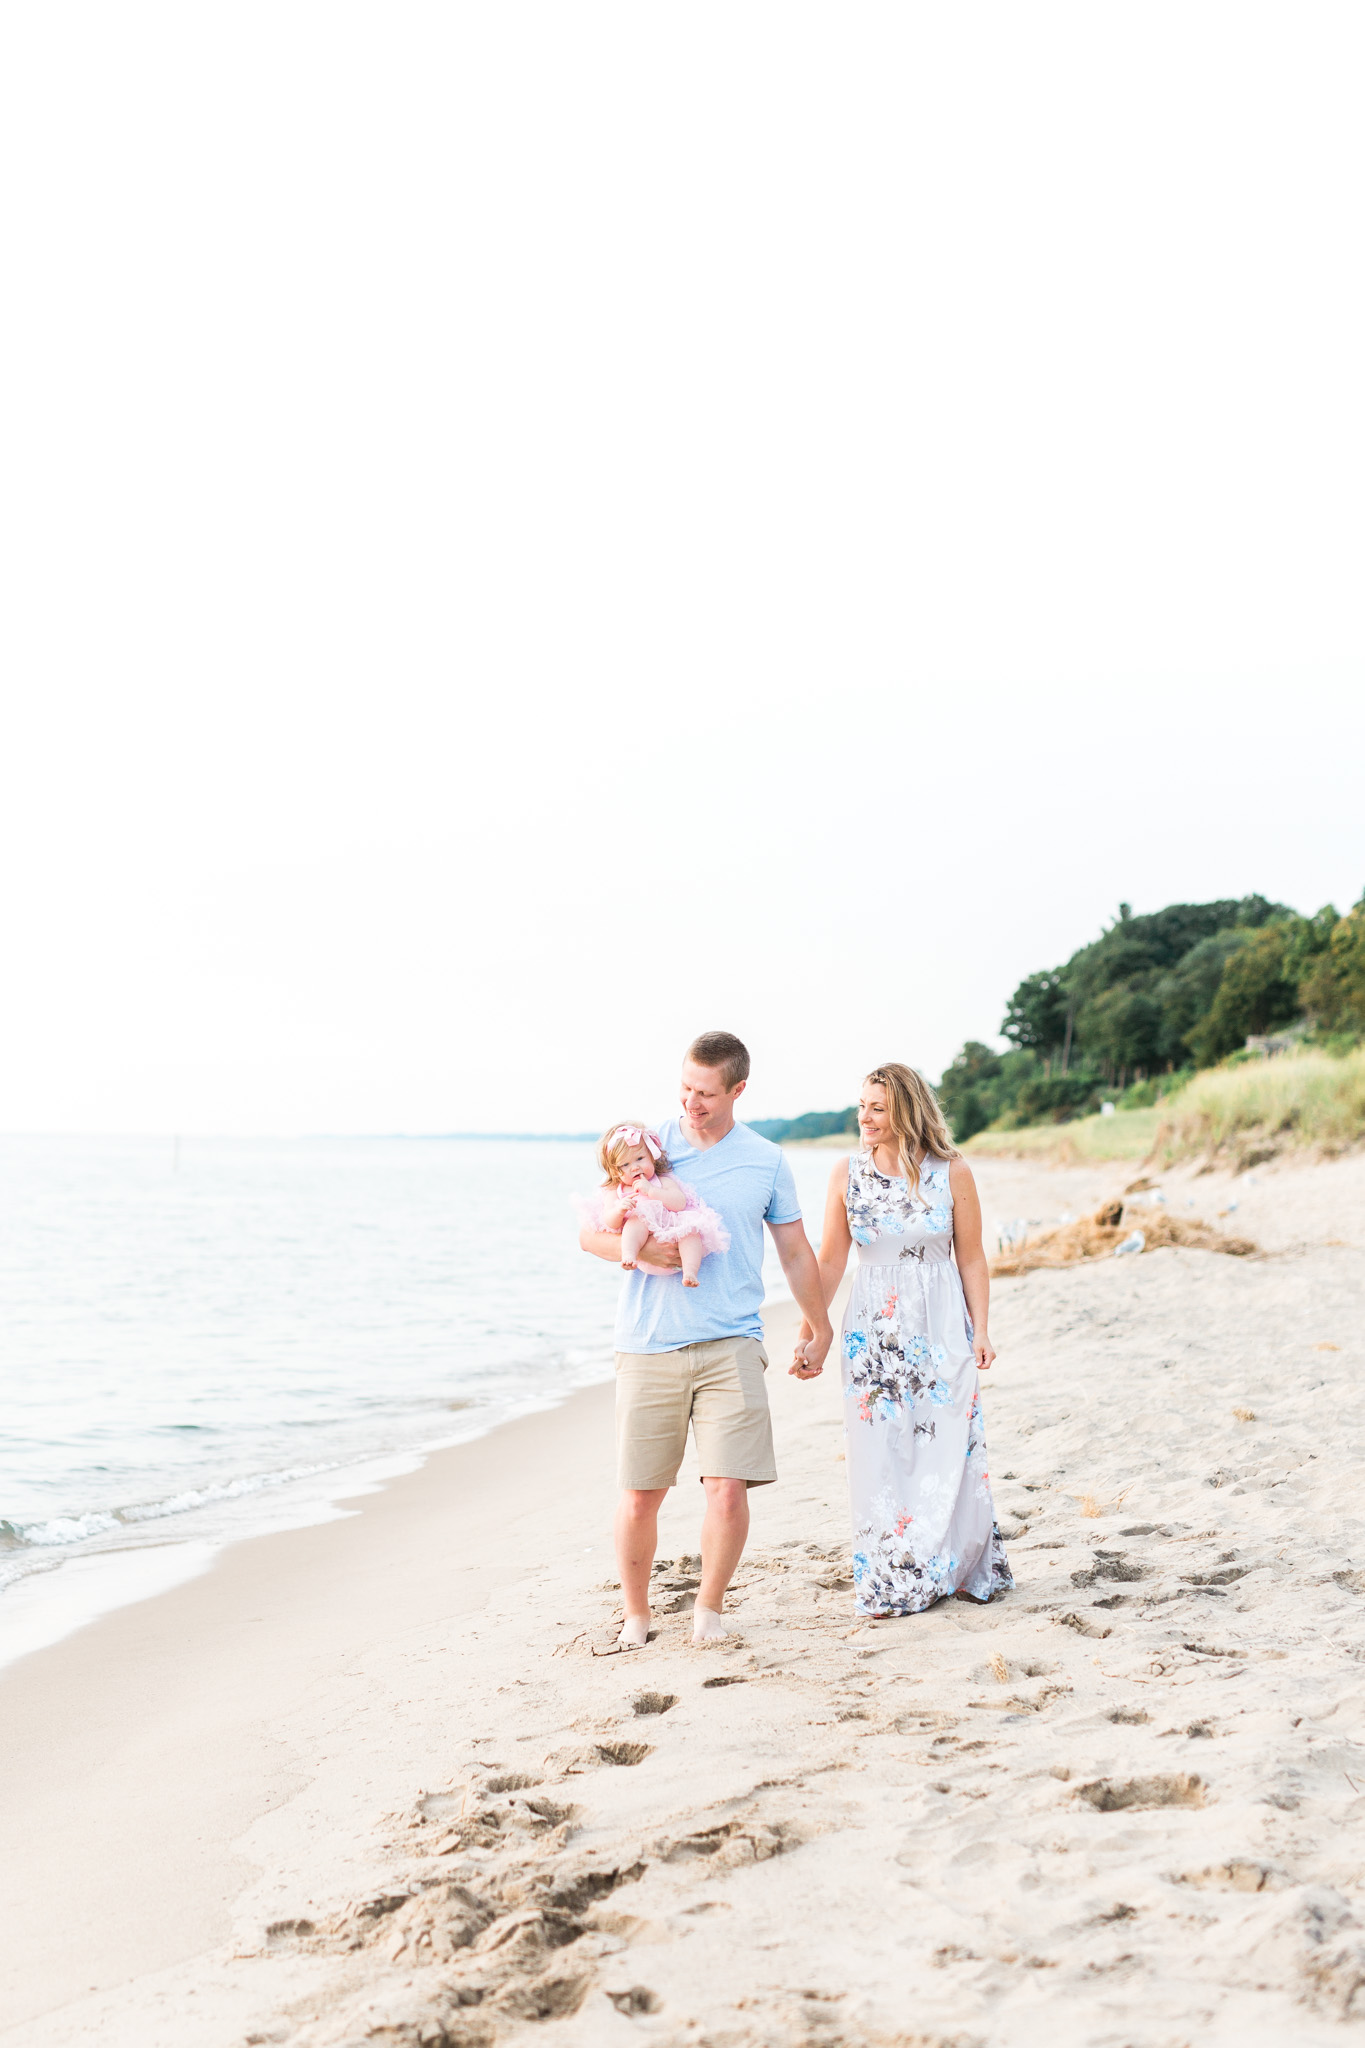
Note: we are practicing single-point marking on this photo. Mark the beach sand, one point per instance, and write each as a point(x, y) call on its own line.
point(367, 1782)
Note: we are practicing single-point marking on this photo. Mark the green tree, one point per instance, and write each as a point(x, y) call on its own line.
point(1037, 1013)
point(1185, 992)
point(1309, 939)
point(1255, 994)
point(1119, 1028)
point(1118, 1032)
point(1333, 986)
point(1150, 988)
point(965, 1091)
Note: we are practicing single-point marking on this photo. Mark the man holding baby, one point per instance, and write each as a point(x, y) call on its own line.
point(695, 1355)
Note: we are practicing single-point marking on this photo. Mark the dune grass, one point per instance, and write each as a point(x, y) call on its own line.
point(1263, 1106)
point(1245, 1113)
point(1127, 1134)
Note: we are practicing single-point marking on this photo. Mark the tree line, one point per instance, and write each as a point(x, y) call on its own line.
point(1131, 1015)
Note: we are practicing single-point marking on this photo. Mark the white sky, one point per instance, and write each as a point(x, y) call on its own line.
point(533, 530)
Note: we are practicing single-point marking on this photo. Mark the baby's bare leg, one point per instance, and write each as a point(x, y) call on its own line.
point(690, 1252)
point(634, 1237)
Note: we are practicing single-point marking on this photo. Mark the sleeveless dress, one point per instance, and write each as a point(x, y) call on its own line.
point(923, 1518)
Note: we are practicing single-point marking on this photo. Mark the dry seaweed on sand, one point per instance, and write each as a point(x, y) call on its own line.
point(1098, 1236)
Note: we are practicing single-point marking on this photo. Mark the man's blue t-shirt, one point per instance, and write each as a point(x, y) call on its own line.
point(749, 1181)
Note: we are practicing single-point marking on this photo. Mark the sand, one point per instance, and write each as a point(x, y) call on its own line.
point(368, 1781)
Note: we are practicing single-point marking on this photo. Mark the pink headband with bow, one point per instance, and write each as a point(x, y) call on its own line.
point(633, 1135)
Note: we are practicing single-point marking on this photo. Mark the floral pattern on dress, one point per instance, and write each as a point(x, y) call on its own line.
point(923, 1516)
point(877, 1204)
point(885, 1365)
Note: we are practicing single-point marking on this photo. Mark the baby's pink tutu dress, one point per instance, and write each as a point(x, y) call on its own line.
point(668, 1225)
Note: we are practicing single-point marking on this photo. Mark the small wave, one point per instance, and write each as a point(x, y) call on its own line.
point(61, 1529)
point(68, 1529)
point(230, 1489)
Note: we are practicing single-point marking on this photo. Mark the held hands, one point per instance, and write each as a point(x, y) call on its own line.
point(808, 1359)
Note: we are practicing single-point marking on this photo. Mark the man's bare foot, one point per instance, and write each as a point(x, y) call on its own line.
point(707, 1627)
point(634, 1632)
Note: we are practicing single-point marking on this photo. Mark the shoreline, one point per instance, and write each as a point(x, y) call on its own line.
point(103, 1732)
point(64, 1593)
point(103, 1508)
point(364, 1779)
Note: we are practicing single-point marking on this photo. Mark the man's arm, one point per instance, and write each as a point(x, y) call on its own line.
point(605, 1244)
point(803, 1278)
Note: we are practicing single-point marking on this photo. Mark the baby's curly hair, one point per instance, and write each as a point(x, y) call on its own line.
point(623, 1138)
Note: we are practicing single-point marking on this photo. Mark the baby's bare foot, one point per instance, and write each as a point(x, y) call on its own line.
point(691, 1280)
point(707, 1626)
point(627, 1265)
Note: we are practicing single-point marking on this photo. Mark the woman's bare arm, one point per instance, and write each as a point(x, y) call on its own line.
point(836, 1241)
point(971, 1258)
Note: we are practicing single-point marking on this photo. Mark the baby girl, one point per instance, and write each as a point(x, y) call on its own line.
point(641, 1199)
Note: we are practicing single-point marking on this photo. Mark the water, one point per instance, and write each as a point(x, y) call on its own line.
point(204, 1340)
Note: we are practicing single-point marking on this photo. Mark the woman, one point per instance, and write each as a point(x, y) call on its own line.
point(914, 1341)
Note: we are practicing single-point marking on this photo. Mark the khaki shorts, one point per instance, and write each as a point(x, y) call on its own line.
point(718, 1387)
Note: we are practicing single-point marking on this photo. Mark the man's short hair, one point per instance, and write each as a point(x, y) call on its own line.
point(721, 1049)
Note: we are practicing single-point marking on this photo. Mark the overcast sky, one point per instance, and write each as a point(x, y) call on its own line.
point(533, 530)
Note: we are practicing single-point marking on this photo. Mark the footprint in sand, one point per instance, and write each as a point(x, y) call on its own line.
point(570, 1762)
point(1110, 1795)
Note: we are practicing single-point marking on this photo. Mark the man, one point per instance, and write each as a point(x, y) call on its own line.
point(695, 1355)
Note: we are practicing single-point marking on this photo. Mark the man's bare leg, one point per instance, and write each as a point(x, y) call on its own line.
point(637, 1537)
point(724, 1531)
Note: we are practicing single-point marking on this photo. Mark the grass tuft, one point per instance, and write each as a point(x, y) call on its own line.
point(1254, 1110)
point(1248, 1113)
point(1127, 1134)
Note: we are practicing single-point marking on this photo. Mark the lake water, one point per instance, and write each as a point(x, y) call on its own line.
point(207, 1339)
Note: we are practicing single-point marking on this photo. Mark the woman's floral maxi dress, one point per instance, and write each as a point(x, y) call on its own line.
point(923, 1518)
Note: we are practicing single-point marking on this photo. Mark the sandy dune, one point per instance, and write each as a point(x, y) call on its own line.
point(1125, 1806)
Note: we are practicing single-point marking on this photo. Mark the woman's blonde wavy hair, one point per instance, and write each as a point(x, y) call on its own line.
point(614, 1146)
point(915, 1118)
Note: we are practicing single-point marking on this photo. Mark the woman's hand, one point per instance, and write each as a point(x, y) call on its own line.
point(798, 1364)
point(808, 1362)
point(985, 1352)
